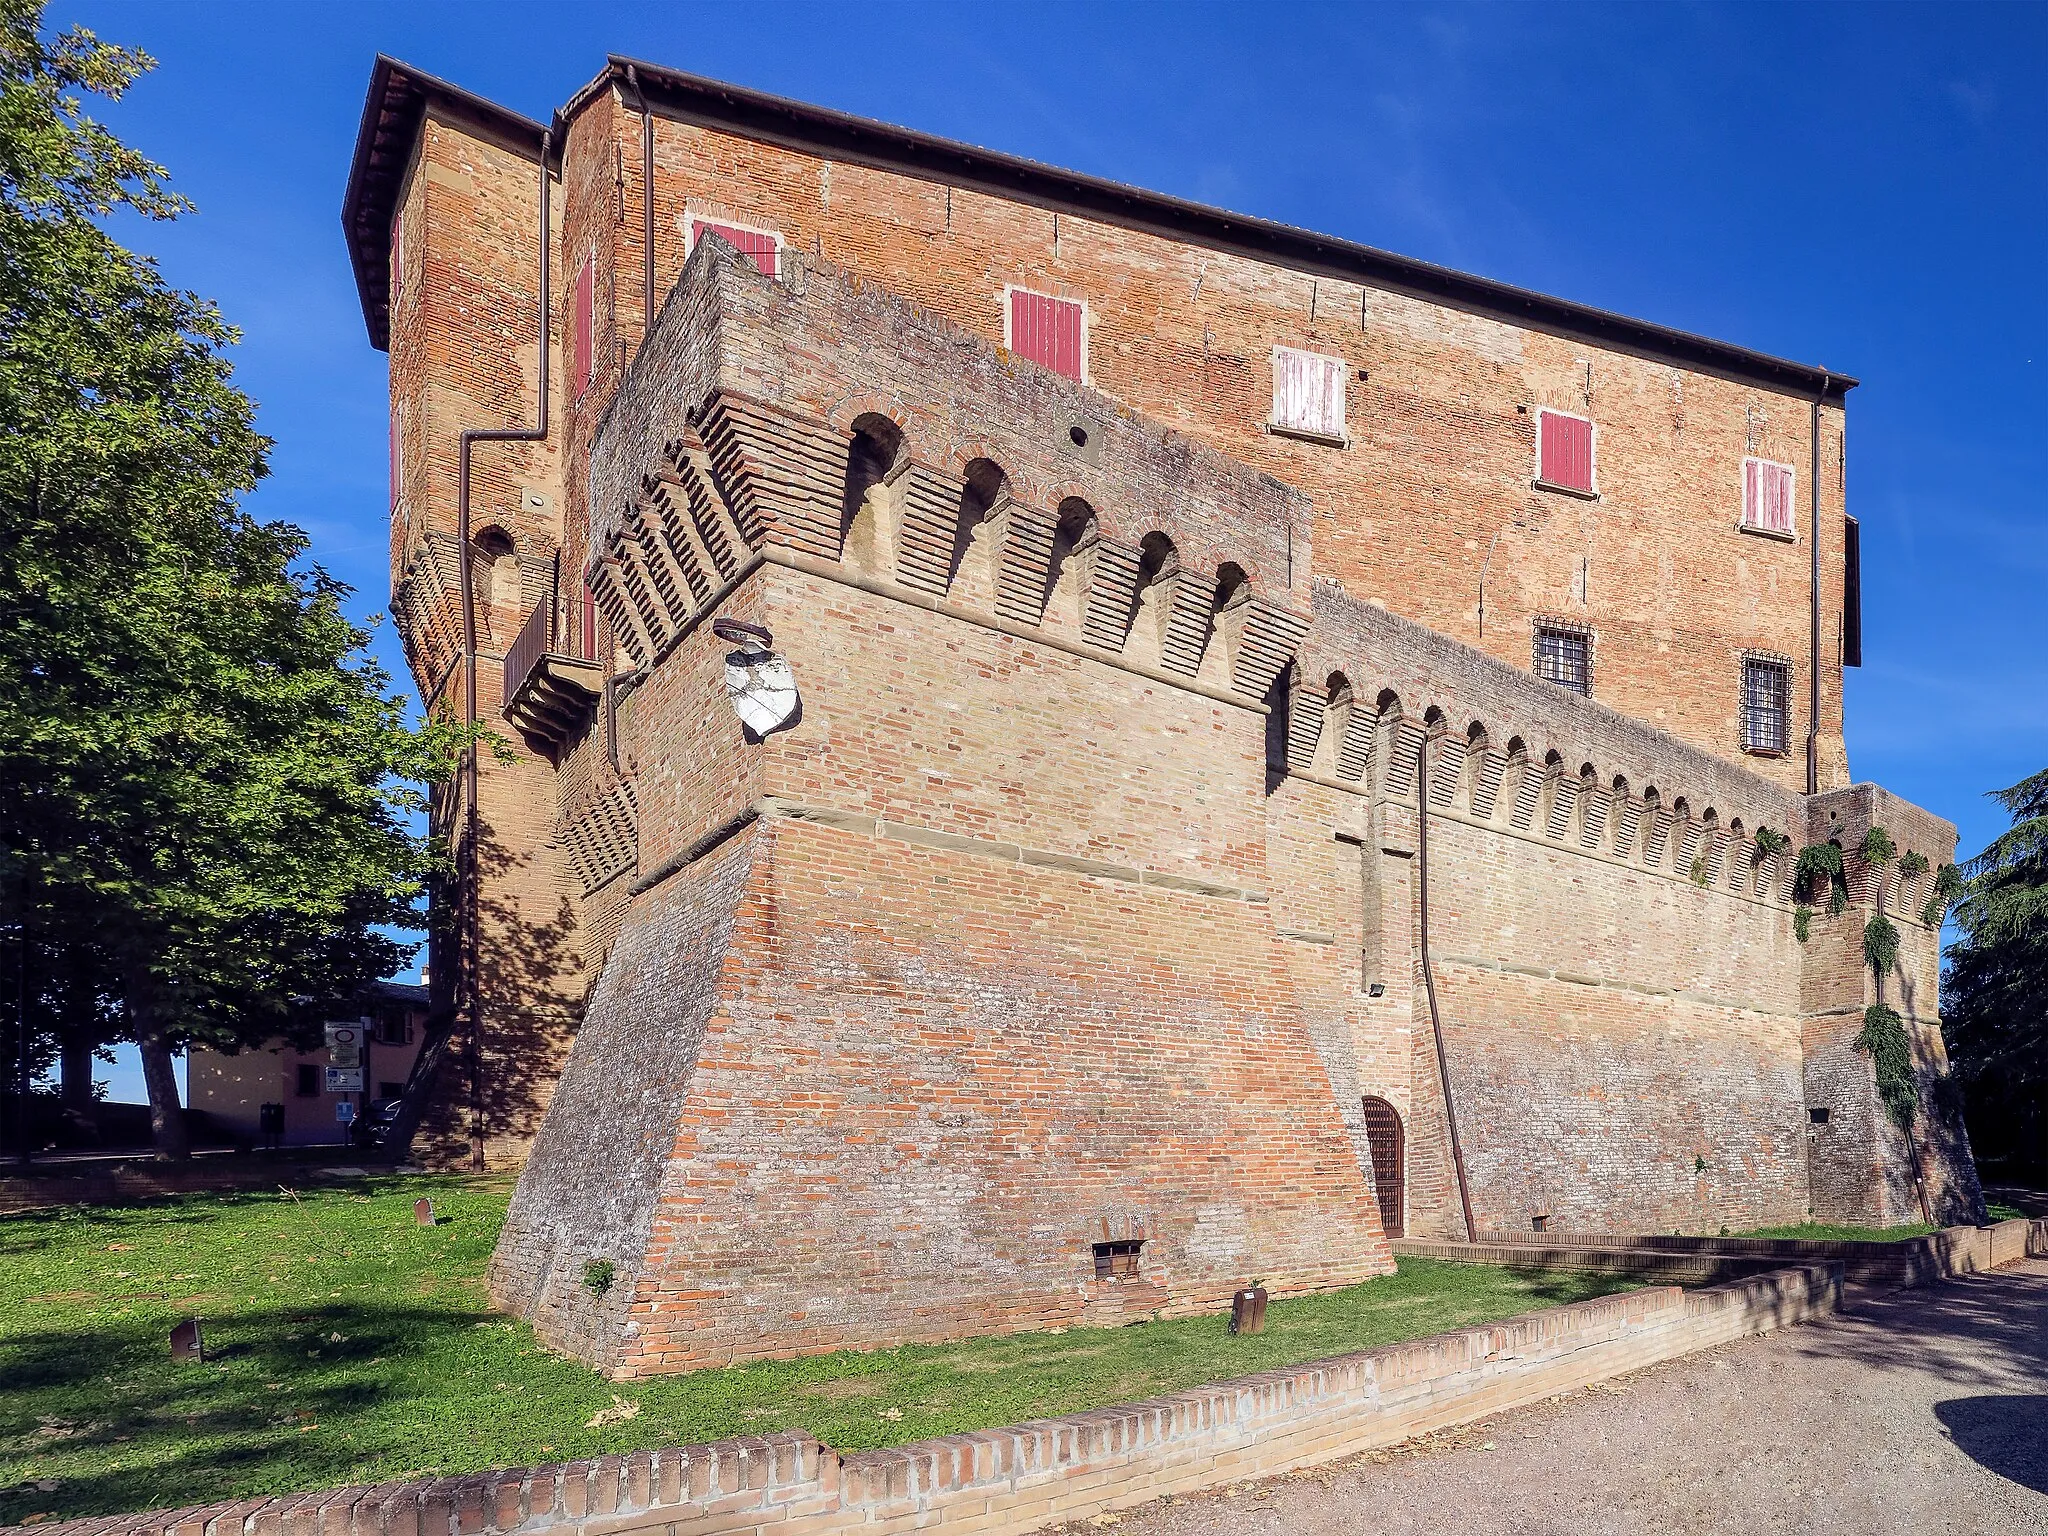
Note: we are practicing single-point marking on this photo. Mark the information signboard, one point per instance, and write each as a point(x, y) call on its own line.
point(345, 1044)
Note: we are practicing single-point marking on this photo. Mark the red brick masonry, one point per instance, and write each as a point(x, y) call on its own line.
point(1032, 1475)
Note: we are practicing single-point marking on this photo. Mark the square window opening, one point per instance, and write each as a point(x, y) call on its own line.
point(307, 1084)
point(1118, 1260)
point(1766, 696)
point(1818, 1114)
point(1564, 656)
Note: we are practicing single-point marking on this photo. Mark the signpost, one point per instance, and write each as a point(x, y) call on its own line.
point(348, 1066)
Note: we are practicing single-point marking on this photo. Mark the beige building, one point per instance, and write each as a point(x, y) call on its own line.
point(232, 1090)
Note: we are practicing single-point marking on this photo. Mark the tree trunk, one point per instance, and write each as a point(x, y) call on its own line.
point(166, 1114)
point(74, 1070)
point(159, 1071)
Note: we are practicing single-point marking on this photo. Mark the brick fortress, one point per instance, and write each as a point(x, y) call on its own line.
point(1249, 685)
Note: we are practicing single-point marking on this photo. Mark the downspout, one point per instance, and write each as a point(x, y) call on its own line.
point(470, 891)
point(1436, 1023)
point(646, 206)
point(1813, 606)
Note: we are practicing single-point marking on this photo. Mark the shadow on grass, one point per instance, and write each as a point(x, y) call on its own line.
point(129, 1428)
point(404, 1388)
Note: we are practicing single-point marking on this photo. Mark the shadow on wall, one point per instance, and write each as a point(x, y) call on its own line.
point(533, 984)
point(2005, 1435)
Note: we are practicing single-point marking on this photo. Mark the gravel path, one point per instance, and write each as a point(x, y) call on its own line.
point(1922, 1411)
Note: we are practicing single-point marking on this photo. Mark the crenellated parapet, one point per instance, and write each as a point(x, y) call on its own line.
point(787, 433)
point(1510, 750)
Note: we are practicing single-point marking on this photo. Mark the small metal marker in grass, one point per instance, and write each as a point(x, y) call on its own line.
point(187, 1343)
point(423, 1211)
point(1248, 1310)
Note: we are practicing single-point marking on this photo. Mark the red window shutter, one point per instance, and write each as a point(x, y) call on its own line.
point(1048, 331)
point(586, 314)
point(1567, 451)
point(1778, 500)
point(762, 248)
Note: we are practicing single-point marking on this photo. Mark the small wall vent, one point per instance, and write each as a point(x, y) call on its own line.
point(1118, 1260)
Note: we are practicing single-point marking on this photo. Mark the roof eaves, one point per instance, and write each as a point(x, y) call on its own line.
point(393, 110)
point(884, 146)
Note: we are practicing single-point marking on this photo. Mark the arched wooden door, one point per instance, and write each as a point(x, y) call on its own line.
point(1389, 1163)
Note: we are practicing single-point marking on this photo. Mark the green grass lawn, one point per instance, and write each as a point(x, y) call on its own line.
point(1834, 1234)
point(348, 1344)
point(1820, 1231)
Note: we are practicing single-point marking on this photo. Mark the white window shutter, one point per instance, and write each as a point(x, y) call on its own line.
point(1308, 392)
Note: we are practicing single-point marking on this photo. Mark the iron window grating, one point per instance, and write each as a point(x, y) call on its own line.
point(1766, 702)
point(1118, 1260)
point(1564, 654)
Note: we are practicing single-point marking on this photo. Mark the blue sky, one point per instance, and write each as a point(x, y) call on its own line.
point(1860, 187)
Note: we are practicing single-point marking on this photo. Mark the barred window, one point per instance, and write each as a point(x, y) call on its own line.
point(1766, 686)
point(1564, 655)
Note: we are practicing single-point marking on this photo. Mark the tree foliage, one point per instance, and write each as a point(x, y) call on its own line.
point(200, 768)
point(1995, 1012)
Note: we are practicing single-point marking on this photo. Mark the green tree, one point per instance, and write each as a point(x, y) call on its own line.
point(203, 777)
point(1995, 1003)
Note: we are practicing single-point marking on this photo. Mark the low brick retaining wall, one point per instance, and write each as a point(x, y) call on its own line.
point(117, 1181)
point(1028, 1476)
point(1701, 1260)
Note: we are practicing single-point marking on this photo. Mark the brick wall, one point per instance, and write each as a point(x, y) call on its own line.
point(946, 1056)
point(464, 354)
point(995, 648)
point(1438, 399)
point(1023, 872)
point(1441, 413)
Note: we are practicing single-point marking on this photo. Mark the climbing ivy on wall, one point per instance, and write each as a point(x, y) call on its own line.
point(1820, 867)
point(1883, 1036)
point(1880, 945)
point(1891, 1059)
point(1948, 885)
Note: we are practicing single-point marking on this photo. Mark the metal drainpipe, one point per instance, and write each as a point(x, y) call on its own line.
point(471, 886)
point(646, 206)
point(1813, 607)
point(1436, 1023)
